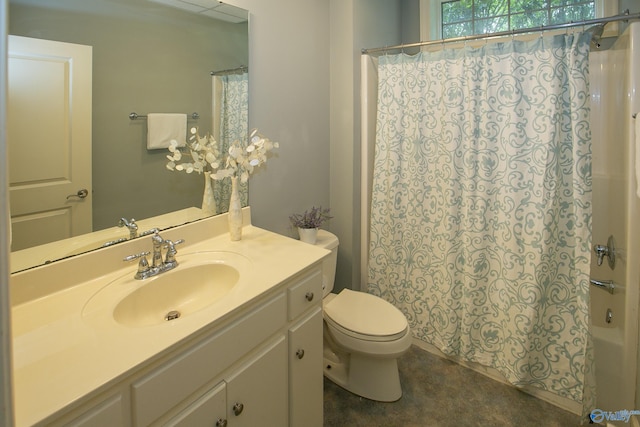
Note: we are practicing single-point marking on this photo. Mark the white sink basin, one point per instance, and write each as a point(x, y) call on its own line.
point(199, 280)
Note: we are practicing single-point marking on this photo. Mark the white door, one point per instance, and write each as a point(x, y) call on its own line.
point(49, 140)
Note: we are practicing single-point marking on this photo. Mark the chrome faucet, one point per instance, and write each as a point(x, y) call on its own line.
point(156, 258)
point(158, 264)
point(131, 225)
point(604, 284)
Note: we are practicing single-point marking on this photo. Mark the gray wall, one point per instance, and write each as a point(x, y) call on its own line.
point(145, 63)
point(355, 24)
point(289, 102)
point(305, 93)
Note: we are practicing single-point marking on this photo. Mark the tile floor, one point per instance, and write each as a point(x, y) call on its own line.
point(441, 393)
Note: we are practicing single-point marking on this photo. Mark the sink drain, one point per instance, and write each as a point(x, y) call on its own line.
point(172, 315)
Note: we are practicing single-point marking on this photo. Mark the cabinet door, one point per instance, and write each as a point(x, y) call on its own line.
point(208, 411)
point(257, 390)
point(305, 371)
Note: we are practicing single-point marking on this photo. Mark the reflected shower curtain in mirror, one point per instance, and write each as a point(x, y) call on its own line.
point(481, 206)
point(230, 123)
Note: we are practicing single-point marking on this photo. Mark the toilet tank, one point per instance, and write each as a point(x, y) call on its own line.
point(328, 241)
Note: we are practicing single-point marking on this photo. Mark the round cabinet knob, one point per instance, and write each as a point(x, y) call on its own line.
point(221, 422)
point(309, 296)
point(238, 408)
point(300, 353)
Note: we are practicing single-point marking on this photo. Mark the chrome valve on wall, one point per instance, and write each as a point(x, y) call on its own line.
point(609, 251)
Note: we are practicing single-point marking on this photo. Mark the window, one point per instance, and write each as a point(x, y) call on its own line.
point(468, 17)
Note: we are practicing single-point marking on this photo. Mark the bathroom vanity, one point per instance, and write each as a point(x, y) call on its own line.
point(86, 353)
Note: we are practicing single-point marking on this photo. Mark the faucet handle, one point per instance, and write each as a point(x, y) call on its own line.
point(171, 250)
point(136, 256)
point(150, 231)
point(143, 264)
point(606, 251)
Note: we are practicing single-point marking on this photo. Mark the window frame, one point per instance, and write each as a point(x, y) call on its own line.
point(431, 17)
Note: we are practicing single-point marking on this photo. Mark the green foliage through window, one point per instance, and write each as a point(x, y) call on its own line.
point(468, 17)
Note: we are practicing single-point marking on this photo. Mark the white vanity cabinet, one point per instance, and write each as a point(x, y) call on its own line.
point(260, 367)
point(254, 394)
point(106, 413)
point(305, 356)
point(210, 408)
point(305, 352)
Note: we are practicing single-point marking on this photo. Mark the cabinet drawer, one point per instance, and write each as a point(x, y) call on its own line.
point(304, 295)
point(106, 414)
point(165, 387)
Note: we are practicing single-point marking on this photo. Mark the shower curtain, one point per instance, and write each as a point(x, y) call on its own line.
point(231, 121)
point(480, 229)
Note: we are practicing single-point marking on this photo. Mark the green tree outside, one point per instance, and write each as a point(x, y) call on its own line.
point(469, 17)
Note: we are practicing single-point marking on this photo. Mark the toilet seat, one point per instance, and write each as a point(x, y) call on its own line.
point(365, 316)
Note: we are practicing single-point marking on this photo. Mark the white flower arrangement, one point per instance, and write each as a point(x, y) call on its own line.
point(204, 152)
point(241, 160)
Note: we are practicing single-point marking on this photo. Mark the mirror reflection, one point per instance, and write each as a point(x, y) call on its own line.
point(80, 168)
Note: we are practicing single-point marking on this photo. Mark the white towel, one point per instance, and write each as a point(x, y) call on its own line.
point(162, 128)
point(637, 120)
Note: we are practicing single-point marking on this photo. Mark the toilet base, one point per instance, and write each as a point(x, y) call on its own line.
point(374, 378)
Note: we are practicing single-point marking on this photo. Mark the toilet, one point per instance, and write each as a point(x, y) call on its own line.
point(363, 336)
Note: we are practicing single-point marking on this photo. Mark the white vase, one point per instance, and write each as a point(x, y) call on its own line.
point(208, 201)
point(308, 235)
point(235, 211)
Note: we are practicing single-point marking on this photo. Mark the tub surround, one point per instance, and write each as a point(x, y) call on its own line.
point(63, 360)
point(614, 84)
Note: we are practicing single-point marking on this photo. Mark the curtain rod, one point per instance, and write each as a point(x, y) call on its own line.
point(242, 68)
point(623, 17)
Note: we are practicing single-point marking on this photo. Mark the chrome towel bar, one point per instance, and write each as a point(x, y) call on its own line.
point(134, 116)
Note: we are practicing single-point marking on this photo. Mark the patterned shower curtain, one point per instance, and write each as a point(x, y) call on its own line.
point(481, 206)
point(233, 98)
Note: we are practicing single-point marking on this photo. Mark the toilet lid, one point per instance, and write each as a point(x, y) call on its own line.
point(365, 314)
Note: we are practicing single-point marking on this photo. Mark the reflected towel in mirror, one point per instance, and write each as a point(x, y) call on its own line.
point(164, 127)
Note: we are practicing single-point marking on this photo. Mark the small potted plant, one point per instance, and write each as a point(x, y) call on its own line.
point(308, 223)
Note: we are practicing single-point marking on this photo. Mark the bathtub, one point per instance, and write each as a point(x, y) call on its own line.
point(615, 84)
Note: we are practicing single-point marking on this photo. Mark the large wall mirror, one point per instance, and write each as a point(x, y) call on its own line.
point(145, 56)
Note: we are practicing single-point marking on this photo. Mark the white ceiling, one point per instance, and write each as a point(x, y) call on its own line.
point(211, 8)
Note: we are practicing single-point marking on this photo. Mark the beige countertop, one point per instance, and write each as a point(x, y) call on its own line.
point(65, 346)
